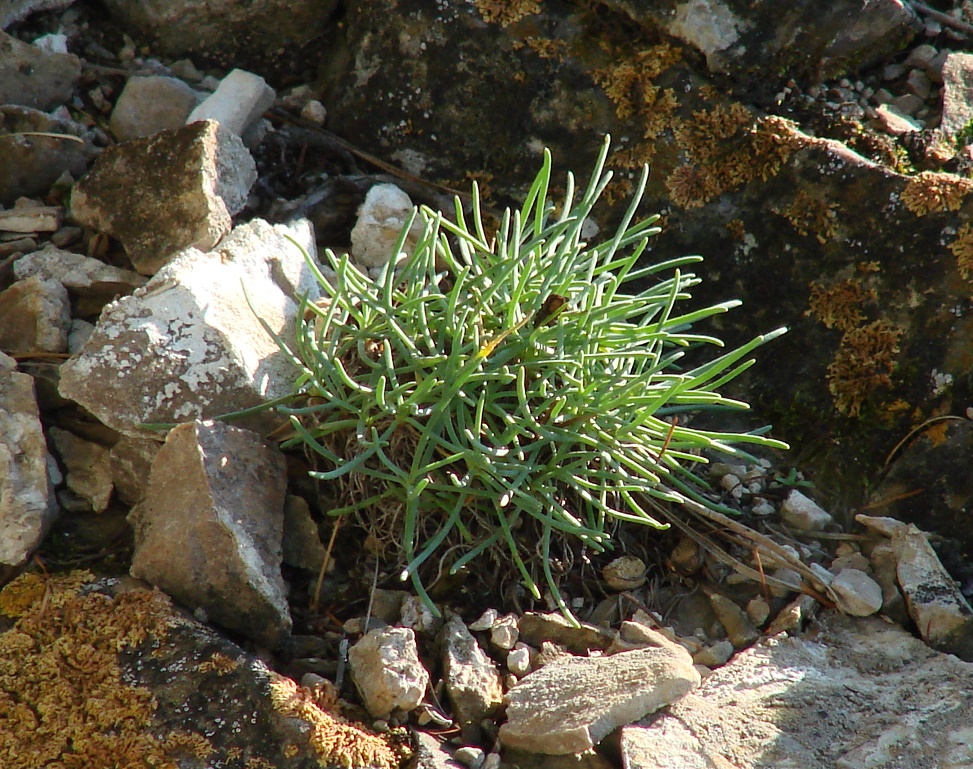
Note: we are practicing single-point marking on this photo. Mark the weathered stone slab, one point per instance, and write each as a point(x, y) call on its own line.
point(88, 467)
point(35, 78)
point(573, 703)
point(35, 316)
point(386, 670)
point(209, 529)
point(861, 693)
point(471, 677)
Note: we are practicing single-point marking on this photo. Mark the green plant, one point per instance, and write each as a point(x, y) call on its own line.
point(492, 391)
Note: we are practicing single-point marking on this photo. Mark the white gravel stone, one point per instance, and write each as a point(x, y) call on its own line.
point(504, 632)
point(386, 670)
point(380, 220)
point(238, 103)
point(803, 513)
point(858, 594)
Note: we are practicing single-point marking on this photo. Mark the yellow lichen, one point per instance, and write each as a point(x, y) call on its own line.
point(838, 305)
point(219, 663)
point(864, 361)
point(336, 741)
point(962, 249)
point(808, 215)
point(63, 702)
point(737, 229)
point(932, 191)
point(547, 48)
point(506, 12)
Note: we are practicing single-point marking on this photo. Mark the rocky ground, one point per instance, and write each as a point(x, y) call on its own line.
point(181, 597)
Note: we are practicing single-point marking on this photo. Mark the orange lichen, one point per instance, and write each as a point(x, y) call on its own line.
point(506, 12)
point(962, 249)
point(63, 702)
point(838, 305)
point(864, 361)
point(736, 229)
point(808, 214)
point(932, 191)
point(692, 186)
point(547, 48)
point(219, 663)
point(336, 741)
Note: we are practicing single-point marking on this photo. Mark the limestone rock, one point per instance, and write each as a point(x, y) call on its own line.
point(380, 221)
point(941, 613)
point(188, 345)
point(573, 703)
point(302, 544)
point(88, 467)
point(624, 573)
point(34, 78)
point(151, 104)
point(209, 529)
point(31, 162)
point(739, 628)
point(853, 696)
point(27, 507)
point(504, 632)
point(803, 513)
point(150, 687)
point(238, 103)
point(131, 461)
point(387, 672)
point(957, 93)
point(858, 594)
point(35, 316)
point(535, 628)
point(472, 679)
point(164, 193)
point(93, 282)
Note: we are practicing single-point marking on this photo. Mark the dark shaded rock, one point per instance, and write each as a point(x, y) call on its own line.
point(35, 316)
point(37, 150)
point(35, 78)
point(209, 529)
point(108, 673)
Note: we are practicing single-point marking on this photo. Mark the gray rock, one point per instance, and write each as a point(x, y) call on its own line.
point(151, 104)
point(957, 93)
point(302, 544)
point(803, 513)
point(171, 191)
point(853, 696)
point(941, 613)
point(35, 316)
point(919, 84)
point(739, 628)
point(857, 593)
point(88, 467)
point(187, 344)
point(571, 704)
point(31, 163)
point(505, 632)
point(624, 573)
point(238, 103)
point(209, 529)
point(92, 282)
point(380, 220)
point(895, 122)
point(27, 507)
point(472, 679)
point(13, 11)
point(131, 461)
point(431, 753)
point(387, 672)
point(34, 78)
point(535, 628)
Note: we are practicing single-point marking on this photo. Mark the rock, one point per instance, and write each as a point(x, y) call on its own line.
point(27, 507)
point(34, 78)
point(919, 84)
point(417, 615)
point(518, 660)
point(431, 753)
point(504, 632)
point(524, 760)
point(572, 704)
point(535, 628)
point(213, 540)
point(472, 679)
point(18, 10)
point(798, 702)
point(160, 689)
point(168, 192)
point(387, 672)
point(625, 573)
point(941, 613)
point(131, 463)
point(758, 610)
point(380, 221)
point(907, 103)
point(895, 122)
point(302, 545)
point(800, 512)
point(238, 103)
point(858, 594)
point(739, 628)
point(715, 655)
point(151, 104)
point(90, 281)
point(957, 93)
point(31, 218)
point(260, 33)
point(470, 756)
point(88, 467)
point(35, 316)
point(485, 621)
point(34, 153)
point(188, 345)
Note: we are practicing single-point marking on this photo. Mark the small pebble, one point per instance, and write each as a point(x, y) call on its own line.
point(504, 632)
point(492, 761)
point(758, 610)
point(486, 620)
point(625, 573)
point(858, 594)
point(715, 655)
point(518, 660)
point(315, 112)
point(803, 513)
point(67, 236)
point(739, 628)
point(470, 756)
